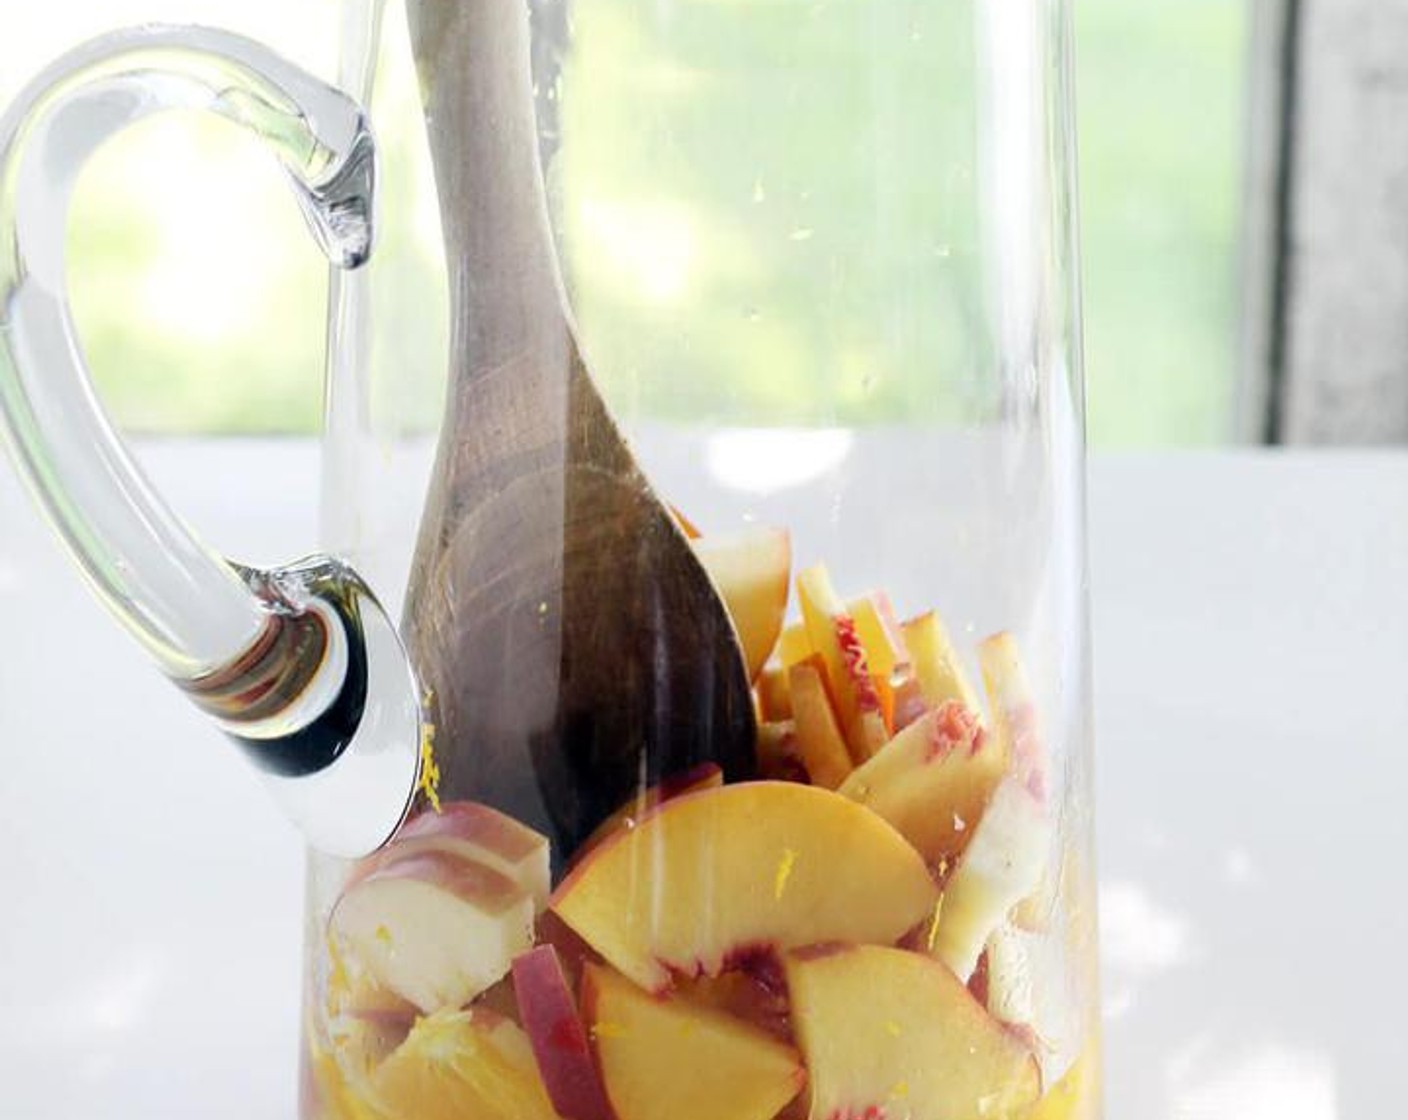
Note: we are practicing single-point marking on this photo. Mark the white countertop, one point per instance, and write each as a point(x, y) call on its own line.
point(1251, 630)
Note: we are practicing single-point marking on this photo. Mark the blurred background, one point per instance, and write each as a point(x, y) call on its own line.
point(201, 300)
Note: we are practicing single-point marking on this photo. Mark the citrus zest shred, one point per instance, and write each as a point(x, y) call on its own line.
point(784, 872)
point(429, 780)
point(604, 1029)
point(933, 937)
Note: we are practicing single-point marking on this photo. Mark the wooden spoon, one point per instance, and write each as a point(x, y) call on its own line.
point(574, 646)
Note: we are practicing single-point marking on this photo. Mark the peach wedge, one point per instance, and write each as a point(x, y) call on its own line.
point(457, 1064)
point(751, 571)
point(665, 1057)
point(717, 878)
point(933, 780)
point(834, 635)
point(890, 1033)
point(936, 663)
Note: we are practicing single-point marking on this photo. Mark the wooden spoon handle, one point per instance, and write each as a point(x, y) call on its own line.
point(474, 61)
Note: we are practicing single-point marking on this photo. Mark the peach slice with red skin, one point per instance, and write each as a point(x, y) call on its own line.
point(475, 832)
point(881, 635)
point(834, 635)
point(1016, 721)
point(820, 743)
point(666, 1057)
point(710, 880)
point(936, 663)
point(779, 758)
point(706, 775)
point(891, 1034)
point(434, 928)
point(933, 780)
point(559, 1040)
point(751, 571)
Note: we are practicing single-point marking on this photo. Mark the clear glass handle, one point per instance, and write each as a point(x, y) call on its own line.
point(299, 665)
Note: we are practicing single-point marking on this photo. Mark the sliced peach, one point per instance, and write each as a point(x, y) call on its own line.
point(820, 743)
point(1077, 1095)
point(774, 697)
point(751, 571)
point(1016, 720)
point(482, 834)
point(794, 645)
point(757, 995)
point(559, 1039)
point(706, 775)
point(779, 758)
point(880, 633)
point(457, 1064)
point(834, 636)
point(1010, 997)
point(711, 879)
point(434, 928)
point(663, 1057)
point(890, 1033)
point(937, 664)
point(933, 780)
point(1002, 864)
point(908, 703)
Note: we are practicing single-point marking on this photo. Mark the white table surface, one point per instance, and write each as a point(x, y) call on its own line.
point(1251, 629)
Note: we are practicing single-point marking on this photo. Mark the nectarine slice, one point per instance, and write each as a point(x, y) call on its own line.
point(936, 663)
point(794, 645)
point(1077, 1095)
point(1002, 864)
point(833, 634)
point(1015, 719)
point(483, 834)
point(820, 743)
point(434, 928)
point(667, 1058)
point(714, 878)
point(933, 780)
point(890, 1033)
point(458, 1064)
point(880, 633)
point(751, 571)
point(778, 756)
point(774, 696)
point(706, 775)
point(559, 1039)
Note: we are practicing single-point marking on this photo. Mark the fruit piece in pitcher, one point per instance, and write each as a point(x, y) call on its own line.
point(704, 776)
point(434, 928)
point(774, 696)
point(937, 664)
point(1076, 1095)
point(833, 634)
point(890, 1033)
point(484, 835)
point(820, 743)
point(458, 1064)
point(880, 633)
point(1010, 998)
point(708, 880)
point(1015, 720)
point(933, 780)
point(779, 758)
point(1002, 864)
point(751, 571)
point(559, 1039)
point(663, 1057)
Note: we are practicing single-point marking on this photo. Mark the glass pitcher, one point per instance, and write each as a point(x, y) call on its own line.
point(688, 708)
